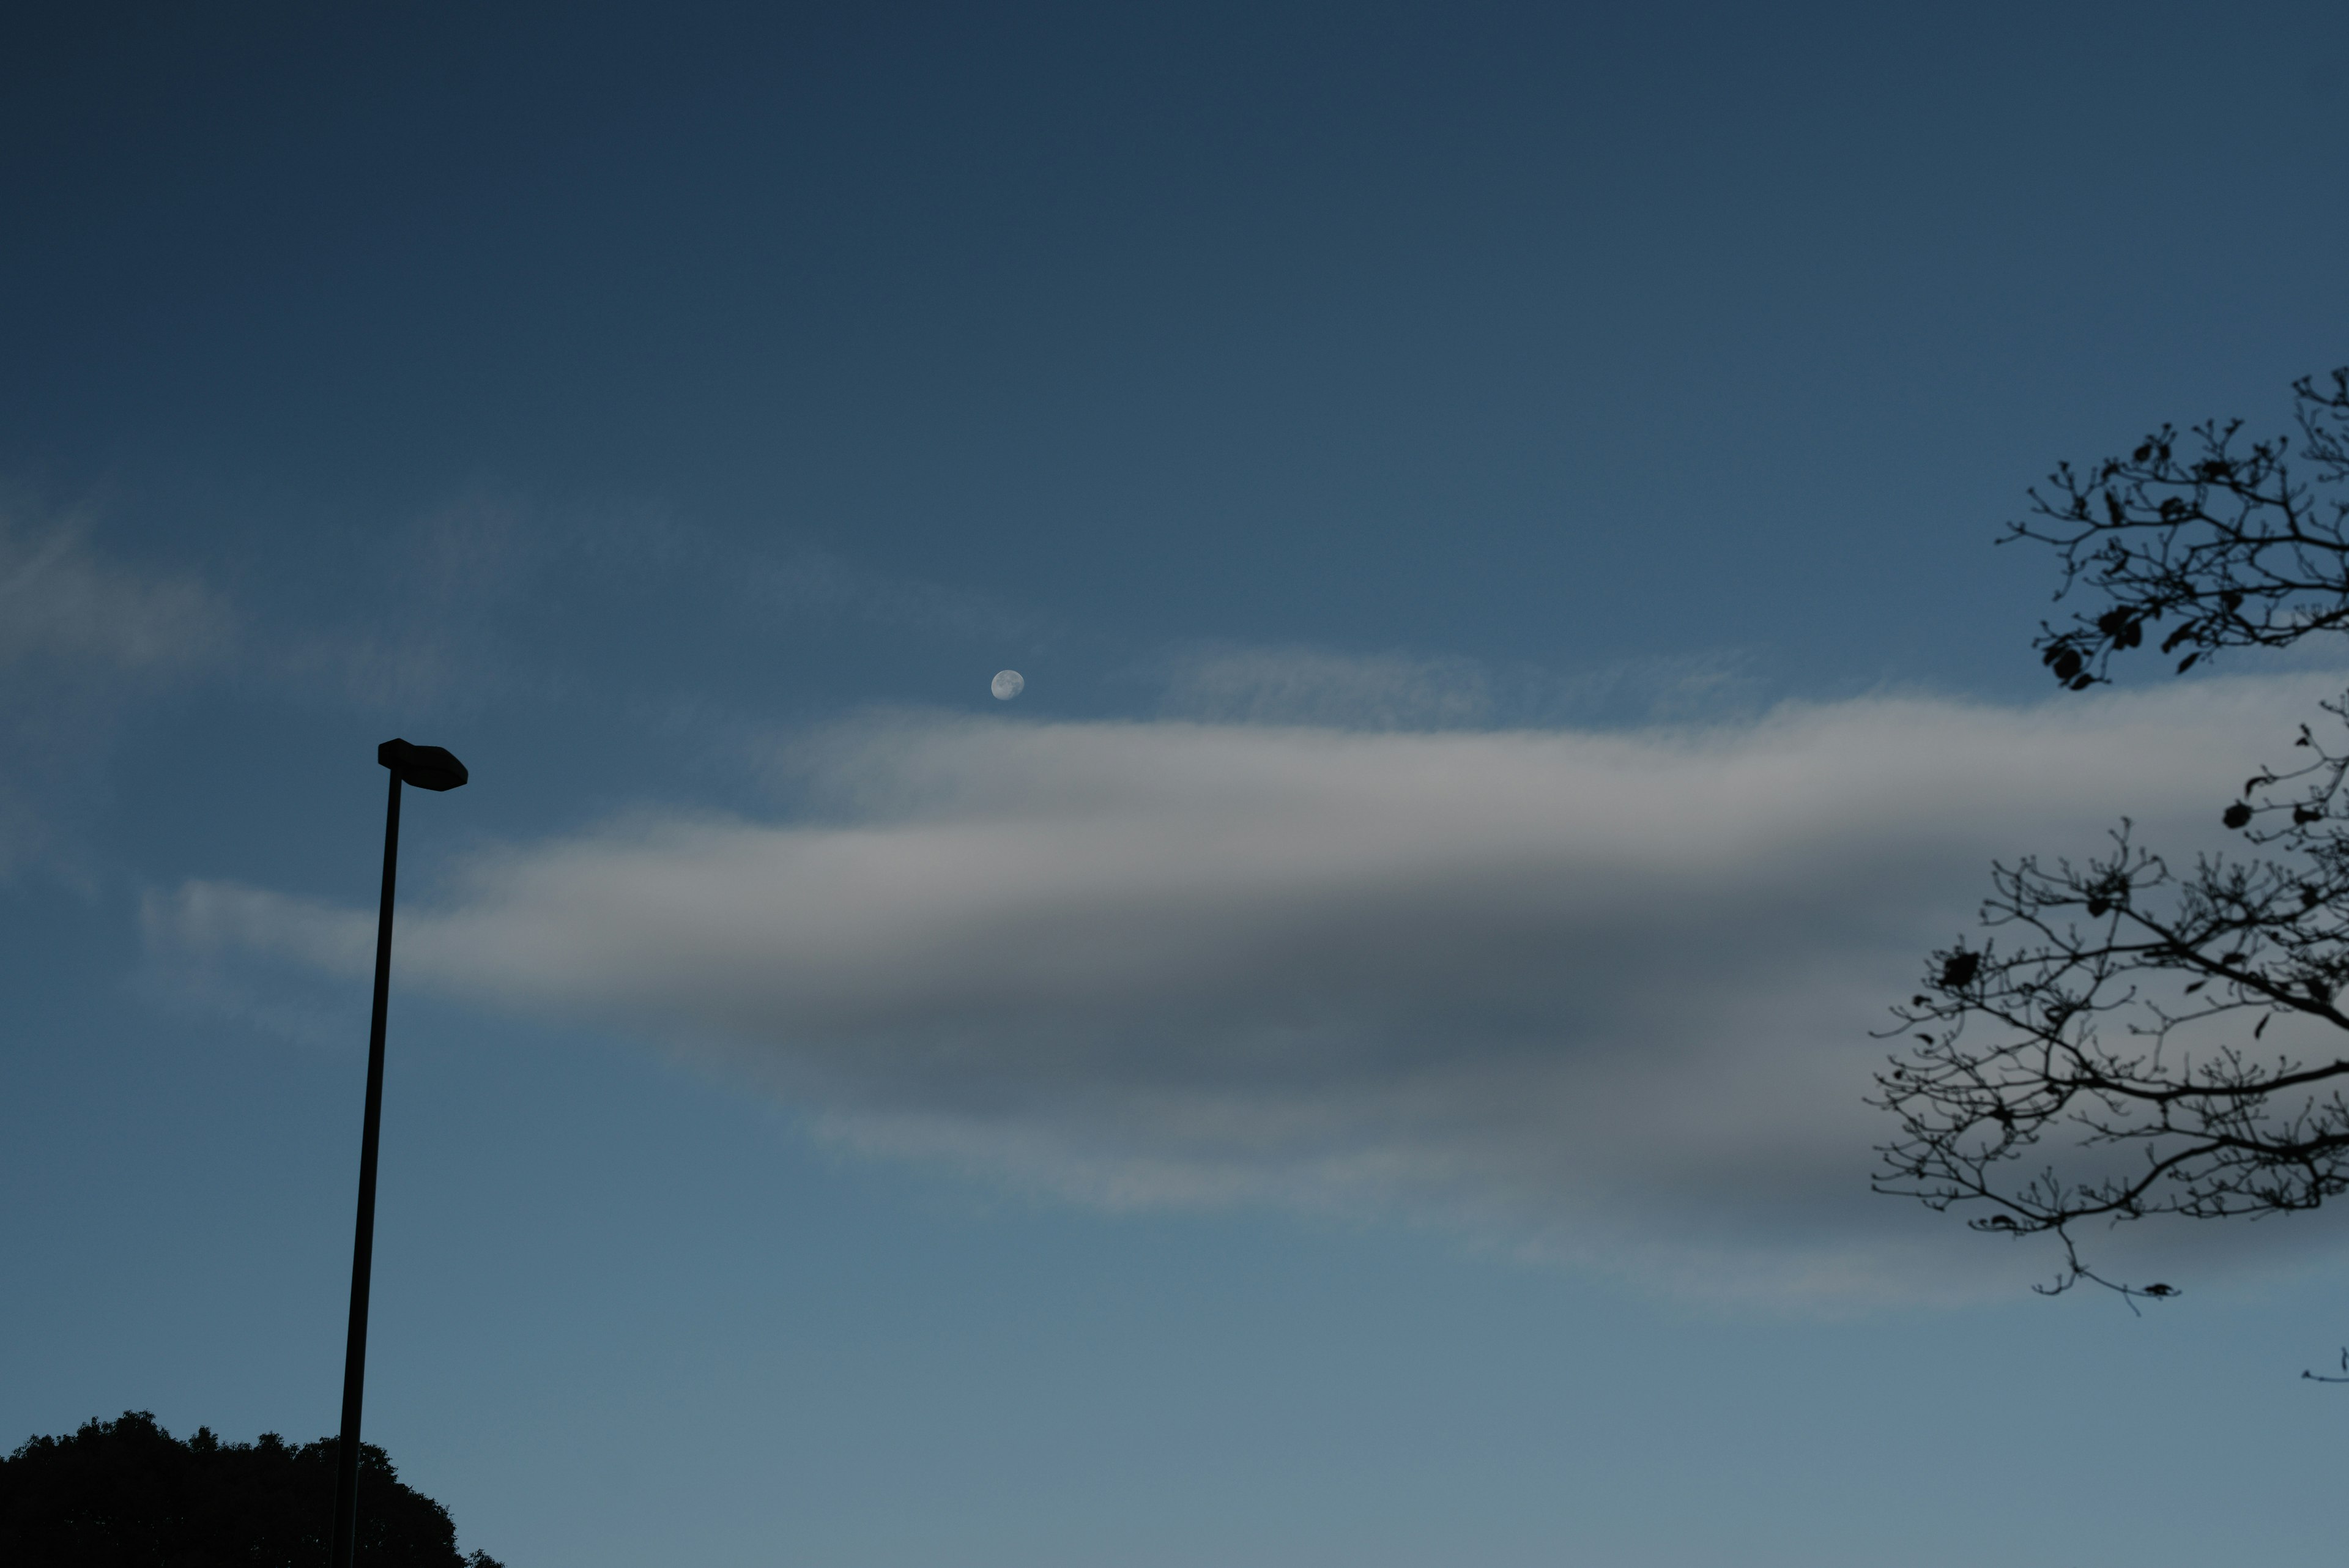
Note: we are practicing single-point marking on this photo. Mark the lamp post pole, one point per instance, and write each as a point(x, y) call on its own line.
point(432, 768)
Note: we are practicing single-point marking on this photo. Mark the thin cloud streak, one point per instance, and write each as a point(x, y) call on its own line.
point(1602, 996)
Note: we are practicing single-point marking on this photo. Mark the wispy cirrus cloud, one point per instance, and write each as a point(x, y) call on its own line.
point(1604, 995)
point(1404, 690)
point(819, 583)
point(63, 601)
point(84, 633)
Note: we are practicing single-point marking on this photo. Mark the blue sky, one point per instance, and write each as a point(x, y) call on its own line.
point(1359, 1063)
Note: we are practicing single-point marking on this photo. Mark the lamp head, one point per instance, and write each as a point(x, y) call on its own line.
point(426, 767)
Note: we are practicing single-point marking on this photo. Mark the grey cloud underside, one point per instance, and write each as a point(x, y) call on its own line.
point(1607, 996)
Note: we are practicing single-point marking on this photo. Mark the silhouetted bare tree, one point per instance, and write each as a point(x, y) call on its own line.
point(2116, 1015)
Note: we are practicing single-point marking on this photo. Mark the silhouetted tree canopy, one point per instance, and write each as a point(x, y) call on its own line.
point(2103, 1054)
point(126, 1494)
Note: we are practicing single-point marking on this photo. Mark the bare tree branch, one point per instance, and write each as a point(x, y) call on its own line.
point(2100, 1055)
point(2224, 541)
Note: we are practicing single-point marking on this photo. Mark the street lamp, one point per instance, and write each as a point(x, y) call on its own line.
point(426, 767)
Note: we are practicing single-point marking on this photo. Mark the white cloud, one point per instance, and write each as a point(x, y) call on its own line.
point(1602, 995)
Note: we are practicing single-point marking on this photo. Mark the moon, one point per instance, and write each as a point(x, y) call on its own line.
point(1008, 684)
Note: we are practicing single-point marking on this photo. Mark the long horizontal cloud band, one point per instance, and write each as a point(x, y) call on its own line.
point(1607, 995)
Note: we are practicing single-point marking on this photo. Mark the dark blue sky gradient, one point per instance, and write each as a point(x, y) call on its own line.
point(1503, 331)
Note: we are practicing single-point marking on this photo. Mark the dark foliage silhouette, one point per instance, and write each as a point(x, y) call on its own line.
point(2103, 1054)
point(126, 1494)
